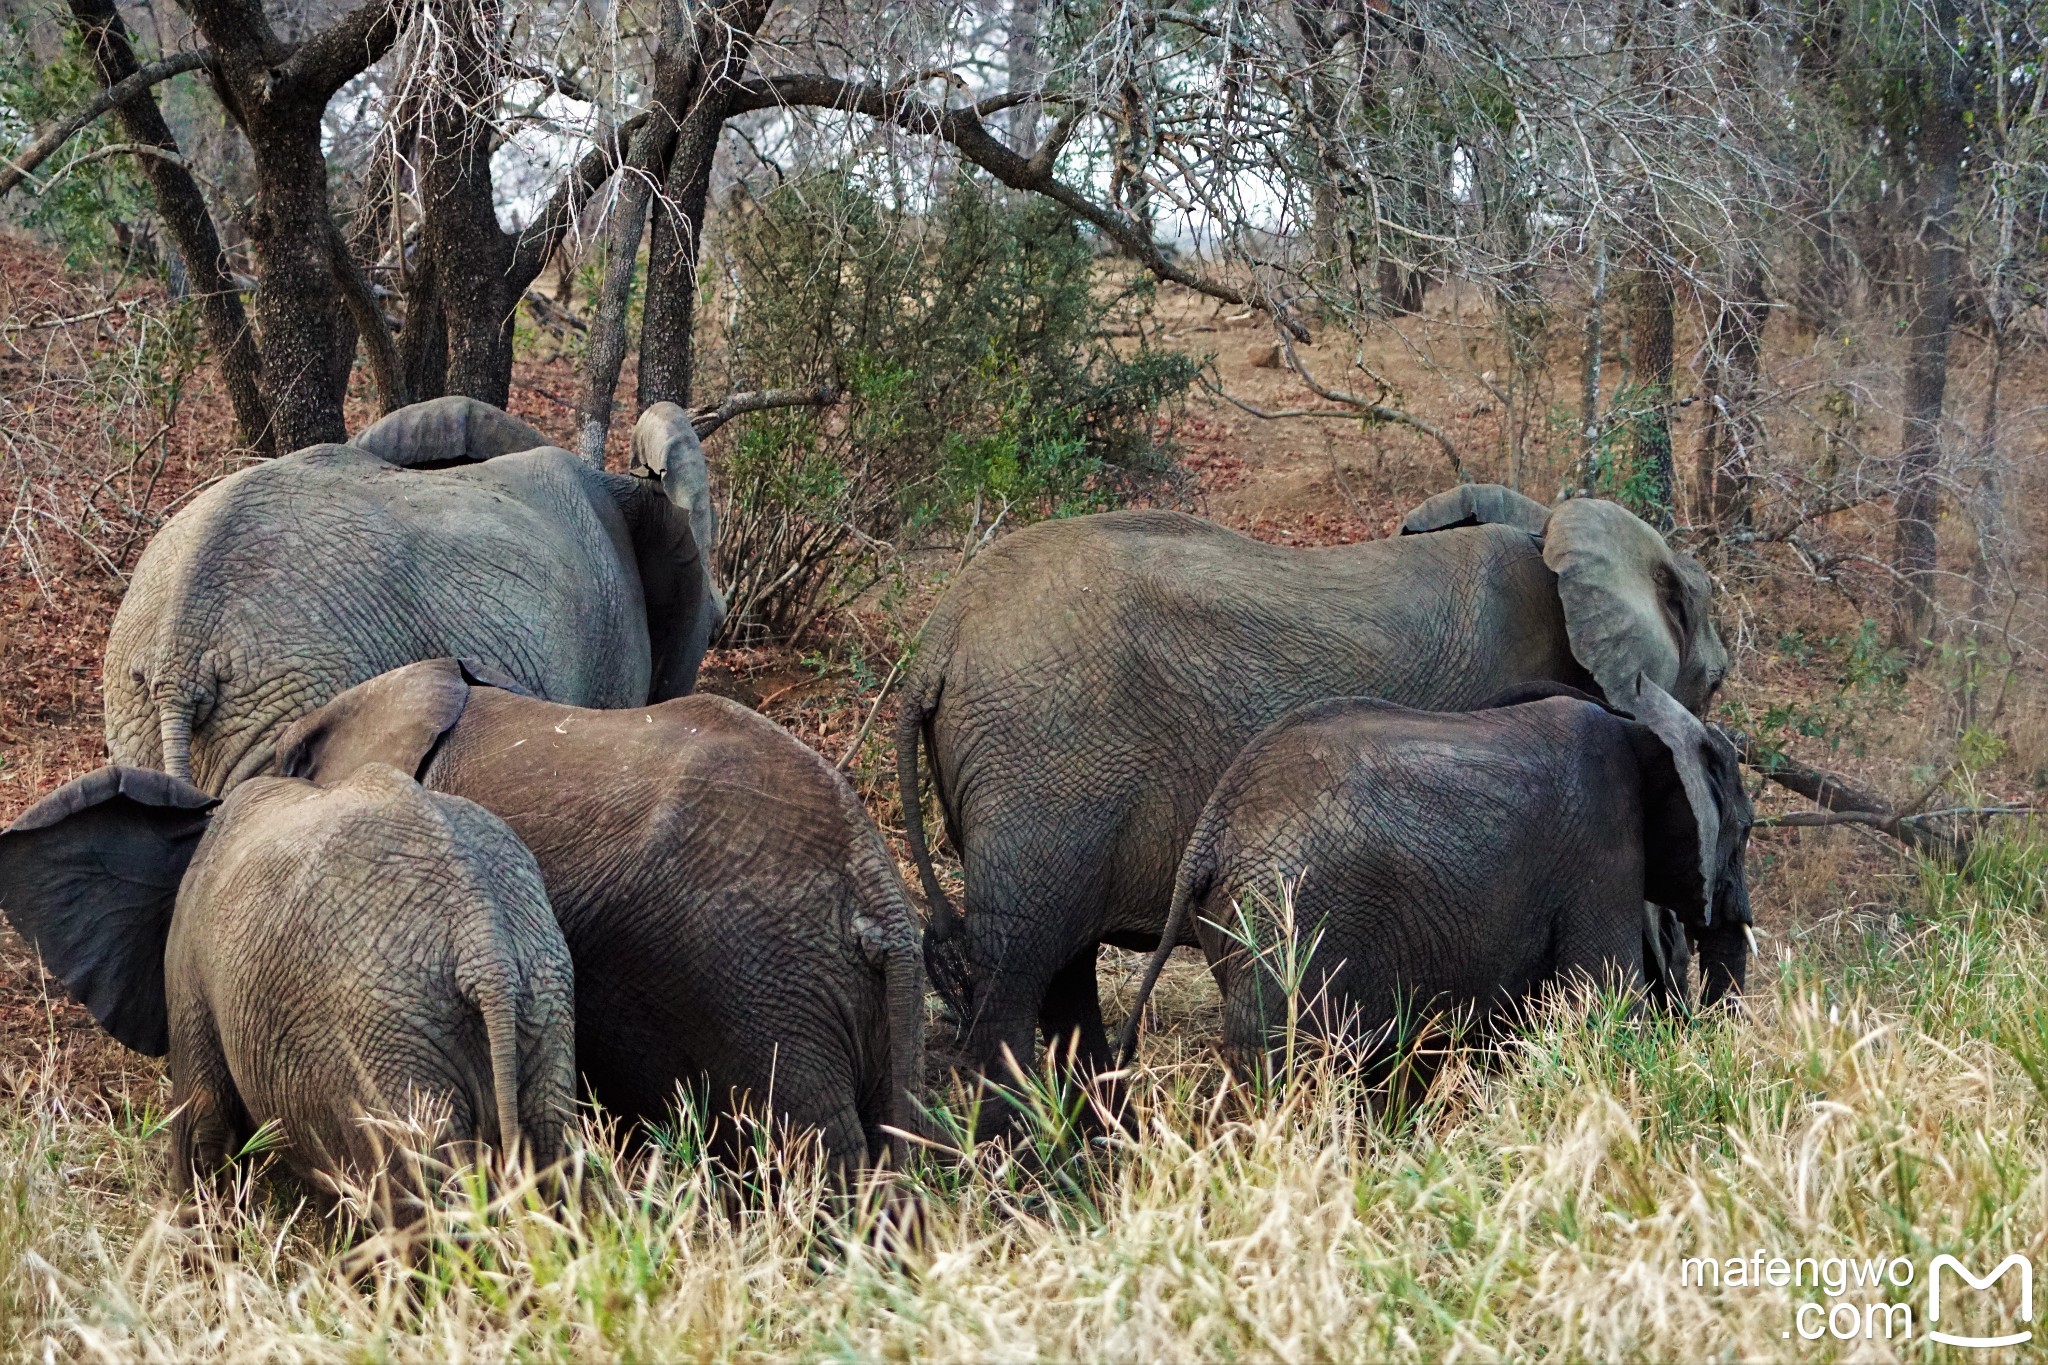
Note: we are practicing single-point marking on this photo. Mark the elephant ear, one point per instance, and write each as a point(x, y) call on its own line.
point(1682, 813)
point(1476, 504)
point(89, 875)
point(396, 718)
point(683, 610)
point(1632, 605)
point(447, 431)
point(665, 445)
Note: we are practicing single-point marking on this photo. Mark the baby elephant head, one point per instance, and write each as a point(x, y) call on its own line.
point(1696, 824)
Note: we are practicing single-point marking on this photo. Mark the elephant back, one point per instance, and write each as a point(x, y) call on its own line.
point(301, 577)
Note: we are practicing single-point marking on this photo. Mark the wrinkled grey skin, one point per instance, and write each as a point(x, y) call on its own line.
point(452, 528)
point(308, 957)
point(1084, 683)
point(1461, 862)
point(736, 921)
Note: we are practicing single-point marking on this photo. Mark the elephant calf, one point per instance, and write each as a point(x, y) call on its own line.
point(736, 922)
point(317, 959)
point(1461, 862)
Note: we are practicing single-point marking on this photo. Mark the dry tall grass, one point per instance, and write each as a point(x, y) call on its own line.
point(1885, 1097)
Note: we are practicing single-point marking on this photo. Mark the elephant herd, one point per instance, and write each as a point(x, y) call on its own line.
point(412, 815)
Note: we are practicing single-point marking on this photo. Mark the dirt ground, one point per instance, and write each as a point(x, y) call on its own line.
point(1306, 481)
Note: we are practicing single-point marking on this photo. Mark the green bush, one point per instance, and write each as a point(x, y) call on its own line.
point(98, 210)
point(968, 340)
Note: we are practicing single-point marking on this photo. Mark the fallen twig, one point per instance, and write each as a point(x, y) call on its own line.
point(873, 711)
point(43, 324)
point(1842, 804)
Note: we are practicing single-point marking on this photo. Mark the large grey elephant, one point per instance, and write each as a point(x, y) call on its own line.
point(318, 959)
point(737, 924)
point(1459, 862)
point(447, 528)
point(1084, 683)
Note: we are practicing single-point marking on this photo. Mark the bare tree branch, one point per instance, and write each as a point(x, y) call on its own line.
point(1847, 805)
point(114, 95)
point(538, 240)
point(1374, 411)
point(342, 51)
point(374, 331)
point(963, 128)
point(708, 420)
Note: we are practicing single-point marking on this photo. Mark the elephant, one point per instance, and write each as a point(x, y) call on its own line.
point(737, 924)
point(449, 527)
point(1459, 863)
point(315, 958)
point(1084, 682)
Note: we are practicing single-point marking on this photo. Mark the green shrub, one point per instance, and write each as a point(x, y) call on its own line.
point(968, 340)
point(99, 211)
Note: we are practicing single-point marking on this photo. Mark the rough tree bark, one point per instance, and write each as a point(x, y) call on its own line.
point(468, 268)
point(472, 274)
point(1650, 298)
point(183, 208)
point(724, 43)
point(1650, 305)
point(276, 92)
point(1939, 154)
point(646, 162)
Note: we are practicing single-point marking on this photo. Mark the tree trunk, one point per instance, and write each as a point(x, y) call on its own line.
point(471, 255)
point(1648, 295)
point(1987, 513)
point(300, 311)
point(423, 344)
point(667, 340)
point(1592, 355)
point(183, 207)
point(1650, 304)
point(1726, 453)
point(276, 93)
point(1940, 153)
point(676, 73)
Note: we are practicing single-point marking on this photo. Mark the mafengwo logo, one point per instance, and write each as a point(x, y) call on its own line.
point(1874, 1298)
point(2026, 1304)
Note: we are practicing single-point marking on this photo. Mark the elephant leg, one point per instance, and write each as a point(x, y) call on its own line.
point(1071, 1015)
point(209, 1126)
point(1604, 946)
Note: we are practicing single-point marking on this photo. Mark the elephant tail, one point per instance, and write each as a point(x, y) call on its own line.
point(887, 931)
point(1190, 884)
point(943, 954)
point(174, 728)
point(494, 997)
point(903, 983)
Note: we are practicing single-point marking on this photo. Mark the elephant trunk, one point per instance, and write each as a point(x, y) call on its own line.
point(1189, 883)
point(174, 728)
point(1723, 952)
